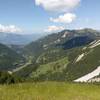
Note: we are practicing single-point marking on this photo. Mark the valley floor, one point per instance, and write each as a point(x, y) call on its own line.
point(50, 91)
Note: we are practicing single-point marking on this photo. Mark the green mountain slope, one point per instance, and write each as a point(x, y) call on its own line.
point(86, 64)
point(9, 59)
point(52, 40)
point(76, 63)
point(51, 71)
point(63, 56)
point(51, 51)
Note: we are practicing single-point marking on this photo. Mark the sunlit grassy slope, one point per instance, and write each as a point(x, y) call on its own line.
point(51, 71)
point(50, 91)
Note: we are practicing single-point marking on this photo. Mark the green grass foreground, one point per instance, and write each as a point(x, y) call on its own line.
point(50, 91)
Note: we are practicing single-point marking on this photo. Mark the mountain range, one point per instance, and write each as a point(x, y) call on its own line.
point(64, 56)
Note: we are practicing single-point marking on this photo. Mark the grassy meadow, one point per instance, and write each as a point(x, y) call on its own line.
point(53, 67)
point(50, 91)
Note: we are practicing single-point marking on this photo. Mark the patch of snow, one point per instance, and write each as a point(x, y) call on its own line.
point(57, 41)
point(65, 34)
point(94, 80)
point(97, 43)
point(10, 72)
point(84, 48)
point(89, 76)
point(92, 42)
point(80, 57)
point(44, 46)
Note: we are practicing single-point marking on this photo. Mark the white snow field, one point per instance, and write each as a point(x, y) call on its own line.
point(80, 57)
point(95, 44)
point(89, 76)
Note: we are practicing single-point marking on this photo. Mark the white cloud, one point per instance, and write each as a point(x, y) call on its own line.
point(9, 28)
point(66, 18)
point(54, 29)
point(58, 5)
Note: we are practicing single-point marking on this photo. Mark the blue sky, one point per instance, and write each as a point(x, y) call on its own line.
point(32, 17)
